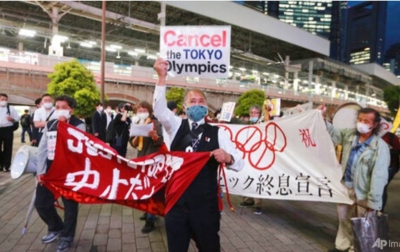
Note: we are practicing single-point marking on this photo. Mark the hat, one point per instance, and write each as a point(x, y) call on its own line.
point(172, 105)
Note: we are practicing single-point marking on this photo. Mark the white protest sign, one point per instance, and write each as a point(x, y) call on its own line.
point(289, 159)
point(227, 111)
point(202, 51)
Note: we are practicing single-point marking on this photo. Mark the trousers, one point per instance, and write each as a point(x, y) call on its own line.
point(344, 237)
point(201, 224)
point(44, 204)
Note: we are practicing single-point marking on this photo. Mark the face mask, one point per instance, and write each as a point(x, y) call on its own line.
point(100, 109)
point(143, 116)
point(61, 112)
point(253, 119)
point(3, 103)
point(196, 112)
point(363, 128)
point(218, 116)
point(108, 111)
point(47, 105)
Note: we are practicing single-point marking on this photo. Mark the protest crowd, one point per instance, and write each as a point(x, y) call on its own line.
point(185, 152)
point(369, 159)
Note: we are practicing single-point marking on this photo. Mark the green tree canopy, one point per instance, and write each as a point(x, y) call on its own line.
point(176, 94)
point(73, 79)
point(248, 99)
point(391, 96)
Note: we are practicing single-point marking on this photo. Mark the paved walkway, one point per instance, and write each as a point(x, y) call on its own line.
point(283, 226)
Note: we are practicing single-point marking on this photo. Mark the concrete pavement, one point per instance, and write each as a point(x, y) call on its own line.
point(283, 225)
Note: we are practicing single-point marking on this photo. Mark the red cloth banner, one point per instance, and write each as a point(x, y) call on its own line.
point(90, 172)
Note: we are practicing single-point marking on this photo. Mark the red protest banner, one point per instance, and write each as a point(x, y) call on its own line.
point(90, 172)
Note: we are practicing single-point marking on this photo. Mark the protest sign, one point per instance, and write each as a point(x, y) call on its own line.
point(202, 51)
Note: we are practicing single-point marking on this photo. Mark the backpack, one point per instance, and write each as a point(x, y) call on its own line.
point(16, 123)
point(25, 122)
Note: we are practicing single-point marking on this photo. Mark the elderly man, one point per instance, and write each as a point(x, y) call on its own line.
point(365, 162)
point(196, 214)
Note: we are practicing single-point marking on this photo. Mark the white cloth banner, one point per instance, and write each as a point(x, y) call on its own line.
point(292, 158)
point(202, 51)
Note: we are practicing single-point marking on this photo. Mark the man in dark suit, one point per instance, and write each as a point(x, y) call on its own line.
point(99, 122)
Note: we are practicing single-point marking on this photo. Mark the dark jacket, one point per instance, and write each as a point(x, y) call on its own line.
point(204, 188)
point(99, 123)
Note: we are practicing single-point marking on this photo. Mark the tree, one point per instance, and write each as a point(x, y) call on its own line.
point(248, 99)
point(391, 96)
point(73, 79)
point(176, 94)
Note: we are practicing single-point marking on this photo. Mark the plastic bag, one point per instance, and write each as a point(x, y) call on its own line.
point(371, 233)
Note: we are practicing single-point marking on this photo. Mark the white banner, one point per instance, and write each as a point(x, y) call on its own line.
point(292, 158)
point(202, 51)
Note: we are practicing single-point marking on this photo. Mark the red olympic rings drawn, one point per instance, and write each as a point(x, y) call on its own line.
point(255, 141)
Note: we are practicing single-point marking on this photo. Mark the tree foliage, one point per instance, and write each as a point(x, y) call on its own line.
point(248, 99)
point(176, 94)
point(391, 96)
point(73, 79)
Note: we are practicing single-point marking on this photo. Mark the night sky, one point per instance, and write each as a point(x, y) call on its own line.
point(392, 22)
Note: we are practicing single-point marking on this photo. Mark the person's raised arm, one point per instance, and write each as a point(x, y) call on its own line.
point(165, 116)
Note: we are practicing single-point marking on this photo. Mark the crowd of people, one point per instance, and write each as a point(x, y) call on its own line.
point(369, 161)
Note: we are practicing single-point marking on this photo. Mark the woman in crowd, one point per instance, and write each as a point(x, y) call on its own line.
point(146, 146)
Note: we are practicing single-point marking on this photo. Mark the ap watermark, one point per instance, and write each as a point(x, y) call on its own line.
point(380, 243)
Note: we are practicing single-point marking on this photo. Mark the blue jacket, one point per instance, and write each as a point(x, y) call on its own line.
point(371, 169)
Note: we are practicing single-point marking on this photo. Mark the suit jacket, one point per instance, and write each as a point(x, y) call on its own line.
point(99, 123)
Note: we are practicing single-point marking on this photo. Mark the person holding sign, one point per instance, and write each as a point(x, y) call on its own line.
point(146, 146)
point(195, 214)
point(44, 202)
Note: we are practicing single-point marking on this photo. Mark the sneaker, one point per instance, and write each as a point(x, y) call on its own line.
point(50, 237)
point(246, 204)
point(143, 217)
point(63, 245)
point(148, 227)
point(258, 211)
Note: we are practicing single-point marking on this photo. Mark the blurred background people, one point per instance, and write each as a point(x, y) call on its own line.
point(35, 130)
point(121, 124)
point(8, 115)
point(99, 122)
point(43, 114)
point(26, 126)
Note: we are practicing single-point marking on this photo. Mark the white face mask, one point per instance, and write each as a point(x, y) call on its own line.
point(3, 103)
point(363, 128)
point(100, 109)
point(143, 116)
point(108, 111)
point(61, 112)
point(47, 105)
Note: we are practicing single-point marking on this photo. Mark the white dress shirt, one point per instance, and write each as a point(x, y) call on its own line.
point(3, 116)
point(172, 123)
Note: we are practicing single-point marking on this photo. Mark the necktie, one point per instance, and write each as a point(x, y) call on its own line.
point(195, 141)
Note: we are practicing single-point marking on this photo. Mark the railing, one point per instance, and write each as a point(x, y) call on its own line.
point(14, 60)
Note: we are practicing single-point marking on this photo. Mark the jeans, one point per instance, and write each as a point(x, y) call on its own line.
point(26, 129)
